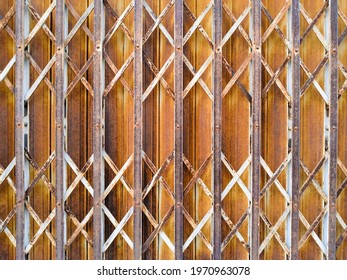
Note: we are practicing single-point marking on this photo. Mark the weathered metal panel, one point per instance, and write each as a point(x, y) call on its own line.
point(173, 129)
point(256, 128)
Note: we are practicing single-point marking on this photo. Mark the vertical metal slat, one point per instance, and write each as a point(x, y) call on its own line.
point(295, 89)
point(98, 166)
point(179, 130)
point(333, 124)
point(138, 130)
point(256, 129)
point(217, 129)
point(59, 126)
point(21, 84)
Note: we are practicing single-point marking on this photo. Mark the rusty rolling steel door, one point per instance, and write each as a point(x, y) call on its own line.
point(173, 129)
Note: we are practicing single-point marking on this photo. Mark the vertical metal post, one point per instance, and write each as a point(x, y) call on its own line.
point(179, 130)
point(138, 130)
point(333, 124)
point(98, 165)
point(295, 90)
point(256, 127)
point(217, 129)
point(59, 130)
point(21, 87)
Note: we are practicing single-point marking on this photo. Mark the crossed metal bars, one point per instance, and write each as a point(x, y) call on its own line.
point(99, 90)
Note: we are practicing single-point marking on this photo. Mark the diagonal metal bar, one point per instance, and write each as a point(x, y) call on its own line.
point(118, 227)
point(157, 175)
point(156, 231)
point(155, 224)
point(154, 170)
point(79, 228)
point(158, 21)
point(115, 71)
point(158, 76)
point(274, 78)
point(273, 230)
point(197, 230)
point(277, 81)
point(316, 30)
point(197, 77)
point(40, 22)
point(311, 176)
point(42, 227)
point(312, 227)
point(196, 174)
point(118, 22)
point(41, 171)
point(203, 32)
point(197, 21)
point(275, 180)
point(276, 27)
point(76, 16)
point(275, 175)
point(235, 26)
point(276, 20)
point(312, 77)
point(5, 172)
point(4, 228)
point(40, 78)
point(79, 176)
point(118, 76)
point(116, 171)
point(314, 81)
point(236, 75)
point(313, 233)
point(7, 69)
point(313, 22)
point(39, 71)
point(79, 23)
point(76, 70)
point(235, 230)
point(117, 178)
point(236, 177)
point(78, 77)
point(78, 225)
point(5, 20)
point(114, 222)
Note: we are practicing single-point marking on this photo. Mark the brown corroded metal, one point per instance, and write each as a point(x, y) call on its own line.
point(211, 110)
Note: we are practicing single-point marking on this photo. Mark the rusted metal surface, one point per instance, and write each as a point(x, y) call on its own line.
point(173, 129)
point(295, 88)
point(256, 128)
point(59, 148)
point(7, 127)
point(217, 129)
point(333, 125)
point(98, 125)
point(21, 231)
point(179, 230)
point(138, 90)
point(341, 229)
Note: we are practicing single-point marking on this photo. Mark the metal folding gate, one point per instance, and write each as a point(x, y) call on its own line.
point(172, 129)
